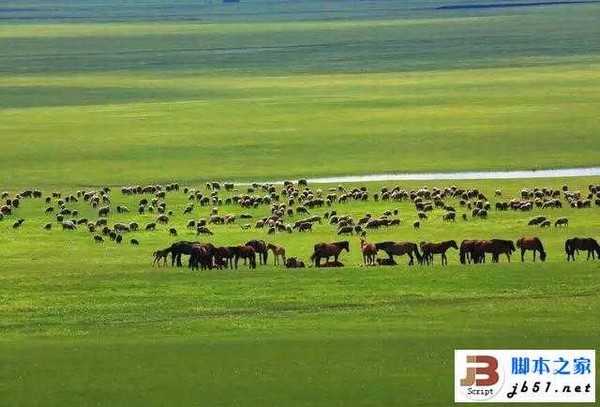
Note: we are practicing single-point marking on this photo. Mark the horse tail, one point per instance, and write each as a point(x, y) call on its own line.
point(568, 248)
point(463, 256)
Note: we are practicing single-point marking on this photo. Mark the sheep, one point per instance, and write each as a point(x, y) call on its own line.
point(561, 222)
point(203, 230)
point(98, 239)
point(150, 226)
point(48, 226)
point(172, 232)
point(417, 224)
point(119, 239)
point(134, 242)
point(68, 225)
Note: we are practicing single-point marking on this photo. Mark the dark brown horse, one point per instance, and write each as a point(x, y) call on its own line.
point(531, 243)
point(495, 247)
point(177, 249)
point(466, 251)
point(401, 248)
point(246, 253)
point(327, 250)
point(260, 248)
point(428, 249)
point(201, 255)
point(581, 243)
point(223, 257)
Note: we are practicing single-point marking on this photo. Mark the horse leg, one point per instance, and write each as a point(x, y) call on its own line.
point(444, 259)
point(411, 260)
point(522, 255)
point(534, 251)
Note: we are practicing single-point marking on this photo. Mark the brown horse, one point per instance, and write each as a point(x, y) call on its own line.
point(369, 252)
point(495, 247)
point(278, 251)
point(260, 248)
point(429, 249)
point(201, 255)
point(401, 248)
point(327, 250)
point(223, 257)
point(531, 243)
point(466, 251)
point(577, 243)
point(246, 253)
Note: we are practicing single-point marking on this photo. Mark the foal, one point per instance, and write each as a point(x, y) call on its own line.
point(278, 251)
point(160, 255)
point(369, 252)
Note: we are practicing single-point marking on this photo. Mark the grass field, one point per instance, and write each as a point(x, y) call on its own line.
point(105, 92)
point(76, 313)
point(421, 90)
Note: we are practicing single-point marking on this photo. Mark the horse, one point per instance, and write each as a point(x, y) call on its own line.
point(161, 255)
point(201, 254)
point(466, 251)
point(293, 262)
point(578, 243)
point(369, 252)
point(495, 247)
point(179, 248)
point(246, 253)
point(223, 257)
point(278, 251)
point(400, 248)
point(260, 248)
point(327, 250)
point(429, 249)
point(531, 243)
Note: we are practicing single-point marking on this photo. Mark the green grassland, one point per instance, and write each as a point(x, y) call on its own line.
point(85, 323)
point(421, 90)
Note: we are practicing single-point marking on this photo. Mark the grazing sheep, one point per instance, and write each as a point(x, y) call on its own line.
point(561, 222)
point(203, 230)
point(162, 219)
point(104, 211)
point(151, 226)
point(68, 225)
point(545, 224)
point(449, 216)
point(172, 232)
point(98, 239)
point(134, 242)
point(119, 239)
point(18, 223)
point(48, 226)
point(417, 224)
point(465, 217)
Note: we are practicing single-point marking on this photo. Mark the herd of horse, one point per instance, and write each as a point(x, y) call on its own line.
point(203, 255)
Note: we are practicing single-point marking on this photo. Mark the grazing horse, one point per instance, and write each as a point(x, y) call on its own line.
point(578, 243)
point(495, 247)
point(466, 251)
point(223, 257)
point(201, 255)
point(400, 248)
point(278, 251)
point(246, 253)
point(429, 249)
point(179, 248)
point(260, 248)
point(327, 250)
point(369, 252)
point(531, 243)
point(161, 255)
